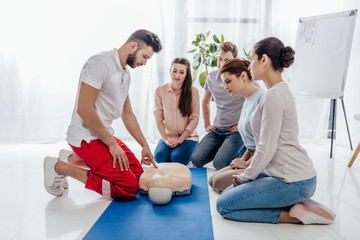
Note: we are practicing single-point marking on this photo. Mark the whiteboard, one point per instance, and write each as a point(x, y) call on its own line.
point(322, 51)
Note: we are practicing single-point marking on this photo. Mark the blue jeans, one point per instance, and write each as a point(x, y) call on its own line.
point(179, 154)
point(220, 146)
point(262, 200)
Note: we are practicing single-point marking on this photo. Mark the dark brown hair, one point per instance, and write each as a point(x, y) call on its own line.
point(186, 91)
point(281, 57)
point(229, 47)
point(144, 37)
point(236, 67)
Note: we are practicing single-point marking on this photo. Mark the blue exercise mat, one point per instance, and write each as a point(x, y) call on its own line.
point(185, 217)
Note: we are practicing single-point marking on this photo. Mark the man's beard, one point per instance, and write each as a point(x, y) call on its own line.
point(131, 59)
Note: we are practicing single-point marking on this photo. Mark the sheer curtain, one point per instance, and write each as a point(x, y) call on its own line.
point(313, 114)
point(240, 21)
point(44, 44)
point(43, 47)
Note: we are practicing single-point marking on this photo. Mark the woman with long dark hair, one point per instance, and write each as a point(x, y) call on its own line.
point(278, 183)
point(176, 112)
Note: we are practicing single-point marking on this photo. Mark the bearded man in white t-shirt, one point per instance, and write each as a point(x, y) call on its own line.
point(100, 160)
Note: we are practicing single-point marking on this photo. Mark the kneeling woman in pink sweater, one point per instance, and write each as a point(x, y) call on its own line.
point(176, 112)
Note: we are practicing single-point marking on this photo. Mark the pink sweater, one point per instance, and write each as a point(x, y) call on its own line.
point(166, 110)
point(275, 128)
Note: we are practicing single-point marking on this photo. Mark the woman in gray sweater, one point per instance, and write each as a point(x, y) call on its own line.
point(278, 183)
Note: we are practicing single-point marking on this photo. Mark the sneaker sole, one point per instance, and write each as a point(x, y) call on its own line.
point(317, 204)
point(46, 167)
point(64, 183)
point(309, 212)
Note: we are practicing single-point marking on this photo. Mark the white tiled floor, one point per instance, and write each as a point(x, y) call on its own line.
point(27, 211)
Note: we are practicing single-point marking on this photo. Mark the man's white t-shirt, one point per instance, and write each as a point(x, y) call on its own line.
point(102, 71)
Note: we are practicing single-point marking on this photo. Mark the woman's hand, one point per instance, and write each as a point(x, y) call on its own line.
point(169, 142)
point(235, 181)
point(238, 163)
point(174, 142)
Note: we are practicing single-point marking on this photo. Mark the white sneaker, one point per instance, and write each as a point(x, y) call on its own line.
point(312, 212)
point(52, 180)
point(64, 183)
point(64, 155)
point(190, 165)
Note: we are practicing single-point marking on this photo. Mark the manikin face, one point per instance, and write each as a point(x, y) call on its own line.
point(178, 73)
point(223, 57)
point(234, 84)
point(139, 57)
point(255, 68)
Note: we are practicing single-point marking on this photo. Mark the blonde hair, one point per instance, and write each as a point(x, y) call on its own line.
point(229, 47)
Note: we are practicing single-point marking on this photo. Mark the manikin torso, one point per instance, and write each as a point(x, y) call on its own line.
point(166, 180)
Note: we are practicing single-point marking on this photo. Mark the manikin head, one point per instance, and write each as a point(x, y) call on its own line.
point(160, 188)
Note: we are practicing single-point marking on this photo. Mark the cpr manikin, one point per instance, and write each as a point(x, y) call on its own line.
point(165, 181)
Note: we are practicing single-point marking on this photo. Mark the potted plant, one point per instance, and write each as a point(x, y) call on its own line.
point(206, 54)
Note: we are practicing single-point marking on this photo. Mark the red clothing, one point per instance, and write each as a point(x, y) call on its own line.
point(123, 184)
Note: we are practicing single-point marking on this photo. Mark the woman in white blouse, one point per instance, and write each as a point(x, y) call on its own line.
point(278, 183)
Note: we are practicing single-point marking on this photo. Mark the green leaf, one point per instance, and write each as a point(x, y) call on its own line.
point(216, 39)
point(214, 62)
point(247, 54)
point(207, 52)
point(196, 63)
point(207, 34)
point(194, 74)
point(222, 38)
point(202, 78)
point(196, 43)
point(213, 48)
point(202, 49)
point(191, 51)
point(208, 61)
point(197, 56)
point(202, 37)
